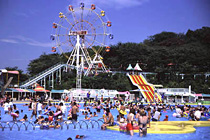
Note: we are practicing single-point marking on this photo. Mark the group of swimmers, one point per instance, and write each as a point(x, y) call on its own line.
point(42, 111)
point(192, 113)
point(88, 114)
point(139, 115)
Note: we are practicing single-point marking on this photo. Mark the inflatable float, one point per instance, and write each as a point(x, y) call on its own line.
point(170, 127)
point(14, 114)
point(122, 112)
point(57, 113)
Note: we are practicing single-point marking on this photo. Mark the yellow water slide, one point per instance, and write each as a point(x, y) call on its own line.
point(148, 90)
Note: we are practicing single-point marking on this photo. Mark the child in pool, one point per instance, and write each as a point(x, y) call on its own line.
point(91, 114)
point(25, 118)
point(15, 116)
point(94, 114)
point(166, 118)
point(87, 118)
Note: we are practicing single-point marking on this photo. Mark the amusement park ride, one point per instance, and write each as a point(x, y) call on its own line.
point(79, 29)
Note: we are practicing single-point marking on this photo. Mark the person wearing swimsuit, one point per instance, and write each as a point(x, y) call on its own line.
point(143, 124)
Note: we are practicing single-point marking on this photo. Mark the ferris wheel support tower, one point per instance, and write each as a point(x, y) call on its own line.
point(78, 54)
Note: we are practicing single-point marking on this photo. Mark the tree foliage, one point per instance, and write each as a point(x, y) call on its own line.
point(167, 54)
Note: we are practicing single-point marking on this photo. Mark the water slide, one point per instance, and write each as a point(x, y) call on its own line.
point(147, 90)
point(42, 75)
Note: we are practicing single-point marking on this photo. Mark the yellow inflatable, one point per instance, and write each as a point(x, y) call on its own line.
point(170, 127)
point(123, 112)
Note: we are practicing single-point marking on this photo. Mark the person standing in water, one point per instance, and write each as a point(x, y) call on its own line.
point(74, 111)
point(143, 118)
point(34, 109)
point(130, 119)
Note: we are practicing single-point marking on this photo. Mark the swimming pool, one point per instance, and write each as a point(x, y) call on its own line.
point(92, 133)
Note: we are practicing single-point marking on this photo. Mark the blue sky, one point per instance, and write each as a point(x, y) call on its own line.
point(26, 25)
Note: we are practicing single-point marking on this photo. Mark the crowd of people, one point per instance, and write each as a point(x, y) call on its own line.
point(131, 115)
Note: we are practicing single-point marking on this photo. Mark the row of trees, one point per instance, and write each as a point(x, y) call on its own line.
point(167, 54)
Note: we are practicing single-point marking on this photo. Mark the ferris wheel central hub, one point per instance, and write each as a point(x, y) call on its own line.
point(82, 32)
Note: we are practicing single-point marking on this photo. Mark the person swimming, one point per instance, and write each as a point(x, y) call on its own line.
point(94, 114)
point(15, 115)
point(25, 118)
point(80, 136)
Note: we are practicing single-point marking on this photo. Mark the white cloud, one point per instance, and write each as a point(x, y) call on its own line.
point(30, 12)
point(25, 40)
point(8, 40)
point(33, 42)
point(33, 11)
point(117, 4)
point(22, 14)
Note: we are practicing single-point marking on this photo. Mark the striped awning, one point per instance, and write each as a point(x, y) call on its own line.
point(40, 89)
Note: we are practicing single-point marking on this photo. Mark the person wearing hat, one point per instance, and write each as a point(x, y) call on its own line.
point(166, 118)
point(79, 136)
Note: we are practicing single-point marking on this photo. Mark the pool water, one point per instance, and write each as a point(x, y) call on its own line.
point(202, 133)
point(92, 133)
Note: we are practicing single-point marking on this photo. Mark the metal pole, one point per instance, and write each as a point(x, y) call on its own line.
point(60, 76)
point(18, 79)
point(52, 80)
point(49, 81)
point(41, 83)
point(78, 68)
point(44, 83)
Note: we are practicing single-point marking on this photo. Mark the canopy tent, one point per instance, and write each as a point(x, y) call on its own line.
point(129, 67)
point(30, 90)
point(57, 91)
point(19, 92)
point(206, 95)
point(137, 67)
point(13, 72)
point(40, 89)
point(10, 72)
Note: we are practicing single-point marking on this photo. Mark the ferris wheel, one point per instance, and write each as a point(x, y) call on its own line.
point(78, 30)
